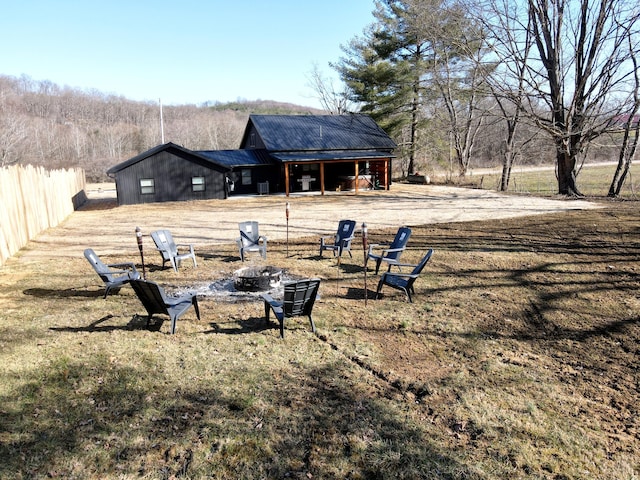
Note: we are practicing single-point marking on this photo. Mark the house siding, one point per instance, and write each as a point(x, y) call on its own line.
point(172, 176)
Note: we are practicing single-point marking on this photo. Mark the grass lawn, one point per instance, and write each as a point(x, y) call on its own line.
point(593, 180)
point(519, 358)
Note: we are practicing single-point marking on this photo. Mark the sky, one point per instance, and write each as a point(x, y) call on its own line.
point(180, 52)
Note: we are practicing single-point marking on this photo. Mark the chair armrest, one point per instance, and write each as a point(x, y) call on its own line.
point(388, 250)
point(129, 265)
point(372, 246)
point(270, 300)
point(399, 274)
point(173, 301)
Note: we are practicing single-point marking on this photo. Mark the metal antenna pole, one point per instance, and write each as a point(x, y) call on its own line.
point(139, 240)
point(161, 123)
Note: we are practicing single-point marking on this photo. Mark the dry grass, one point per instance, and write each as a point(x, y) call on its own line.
point(518, 359)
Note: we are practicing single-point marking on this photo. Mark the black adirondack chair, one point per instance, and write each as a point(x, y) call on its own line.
point(404, 281)
point(155, 302)
point(299, 298)
point(250, 240)
point(114, 275)
point(171, 251)
point(391, 254)
point(341, 241)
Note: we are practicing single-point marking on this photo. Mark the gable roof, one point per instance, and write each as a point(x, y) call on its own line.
point(171, 148)
point(287, 133)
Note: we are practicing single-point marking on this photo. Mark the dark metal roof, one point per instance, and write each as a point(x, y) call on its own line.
point(282, 133)
point(172, 148)
point(238, 158)
point(332, 155)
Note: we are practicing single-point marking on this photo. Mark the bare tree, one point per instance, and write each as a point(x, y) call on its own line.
point(581, 65)
point(334, 101)
point(631, 135)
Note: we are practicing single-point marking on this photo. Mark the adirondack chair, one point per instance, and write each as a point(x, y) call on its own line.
point(170, 250)
point(113, 279)
point(390, 255)
point(250, 240)
point(403, 281)
point(299, 298)
point(155, 301)
point(341, 241)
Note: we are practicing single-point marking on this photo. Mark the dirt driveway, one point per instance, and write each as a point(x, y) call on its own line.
point(110, 229)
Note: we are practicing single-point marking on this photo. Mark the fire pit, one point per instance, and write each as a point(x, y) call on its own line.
point(257, 279)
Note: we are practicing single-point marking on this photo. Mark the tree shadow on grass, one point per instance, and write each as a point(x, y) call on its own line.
point(65, 292)
point(137, 322)
point(327, 424)
point(237, 327)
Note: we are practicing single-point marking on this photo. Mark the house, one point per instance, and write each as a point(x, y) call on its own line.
point(278, 153)
point(322, 152)
point(168, 173)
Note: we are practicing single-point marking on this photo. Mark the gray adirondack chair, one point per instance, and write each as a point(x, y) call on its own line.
point(299, 298)
point(114, 275)
point(404, 281)
point(341, 241)
point(250, 239)
point(391, 254)
point(171, 251)
point(155, 302)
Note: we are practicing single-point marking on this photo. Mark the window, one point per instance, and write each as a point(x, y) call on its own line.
point(246, 176)
point(252, 140)
point(197, 184)
point(147, 186)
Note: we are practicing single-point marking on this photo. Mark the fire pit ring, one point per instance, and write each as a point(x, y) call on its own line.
point(257, 279)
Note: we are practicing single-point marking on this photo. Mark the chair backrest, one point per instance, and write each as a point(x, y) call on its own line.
point(249, 233)
point(420, 266)
point(417, 270)
point(345, 230)
point(151, 295)
point(98, 265)
point(400, 241)
point(299, 297)
point(164, 241)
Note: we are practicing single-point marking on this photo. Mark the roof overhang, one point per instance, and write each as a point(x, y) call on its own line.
point(328, 156)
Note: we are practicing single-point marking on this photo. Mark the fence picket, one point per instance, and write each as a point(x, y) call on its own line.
point(33, 199)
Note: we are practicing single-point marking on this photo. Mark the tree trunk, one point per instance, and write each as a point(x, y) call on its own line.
point(566, 164)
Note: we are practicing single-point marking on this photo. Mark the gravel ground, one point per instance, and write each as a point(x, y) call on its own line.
point(109, 229)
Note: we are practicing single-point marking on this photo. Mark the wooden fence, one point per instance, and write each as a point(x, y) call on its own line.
point(33, 199)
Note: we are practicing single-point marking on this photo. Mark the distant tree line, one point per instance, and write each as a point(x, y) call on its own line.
point(44, 124)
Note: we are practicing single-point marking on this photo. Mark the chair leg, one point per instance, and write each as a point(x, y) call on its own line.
point(267, 311)
point(281, 326)
point(174, 321)
point(408, 292)
point(378, 262)
point(313, 325)
point(379, 289)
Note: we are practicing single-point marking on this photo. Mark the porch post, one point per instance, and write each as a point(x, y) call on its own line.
point(322, 178)
point(386, 174)
point(286, 178)
point(357, 174)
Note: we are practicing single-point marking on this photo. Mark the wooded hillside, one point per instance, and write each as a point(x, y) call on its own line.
point(44, 124)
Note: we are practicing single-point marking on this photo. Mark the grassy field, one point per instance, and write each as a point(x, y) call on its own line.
point(593, 180)
point(518, 359)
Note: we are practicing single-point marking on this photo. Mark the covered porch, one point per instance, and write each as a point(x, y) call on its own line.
point(326, 171)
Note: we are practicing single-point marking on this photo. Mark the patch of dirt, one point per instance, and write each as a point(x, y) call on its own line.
point(107, 228)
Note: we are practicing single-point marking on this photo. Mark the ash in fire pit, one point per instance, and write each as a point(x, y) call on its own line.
point(257, 279)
